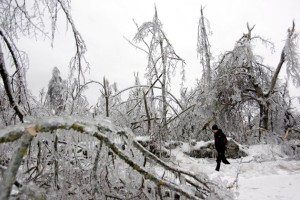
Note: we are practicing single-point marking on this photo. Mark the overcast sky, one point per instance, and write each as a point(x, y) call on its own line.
point(104, 23)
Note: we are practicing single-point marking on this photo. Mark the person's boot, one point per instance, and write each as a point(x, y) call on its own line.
point(218, 167)
point(226, 162)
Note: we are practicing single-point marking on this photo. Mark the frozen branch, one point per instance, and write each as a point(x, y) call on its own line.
point(8, 89)
point(290, 55)
point(101, 132)
point(9, 177)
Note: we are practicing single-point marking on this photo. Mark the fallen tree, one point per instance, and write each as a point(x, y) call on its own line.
point(122, 146)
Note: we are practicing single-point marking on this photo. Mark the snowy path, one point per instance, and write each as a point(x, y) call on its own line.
point(274, 179)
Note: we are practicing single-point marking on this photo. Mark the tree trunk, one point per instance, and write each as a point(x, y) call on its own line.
point(264, 118)
point(147, 113)
point(105, 86)
point(163, 93)
point(56, 163)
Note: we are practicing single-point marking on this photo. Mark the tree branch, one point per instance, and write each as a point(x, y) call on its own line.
point(8, 89)
point(9, 177)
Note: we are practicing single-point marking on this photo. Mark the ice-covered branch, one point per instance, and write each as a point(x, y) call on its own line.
point(102, 130)
point(9, 177)
point(6, 82)
point(290, 55)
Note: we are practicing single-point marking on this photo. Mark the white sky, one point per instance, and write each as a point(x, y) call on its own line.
point(104, 23)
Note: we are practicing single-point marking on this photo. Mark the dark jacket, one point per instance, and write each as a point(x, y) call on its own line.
point(220, 141)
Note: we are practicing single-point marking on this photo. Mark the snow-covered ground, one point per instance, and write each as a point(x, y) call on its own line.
point(266, 174)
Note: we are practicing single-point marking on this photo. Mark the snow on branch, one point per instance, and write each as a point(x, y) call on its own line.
point(6, 81)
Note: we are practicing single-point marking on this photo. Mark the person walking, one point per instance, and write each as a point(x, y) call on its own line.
point(220, 145)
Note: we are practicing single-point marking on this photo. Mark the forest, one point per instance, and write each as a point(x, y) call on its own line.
point(59, 146)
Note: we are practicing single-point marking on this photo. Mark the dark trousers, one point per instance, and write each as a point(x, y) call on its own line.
point(221, 157)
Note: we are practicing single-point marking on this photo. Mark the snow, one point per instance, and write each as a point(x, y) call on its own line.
point(270, 187)
point(143, 138)
point(266, 174)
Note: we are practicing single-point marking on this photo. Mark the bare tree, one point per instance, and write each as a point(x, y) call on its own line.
point(162, 60)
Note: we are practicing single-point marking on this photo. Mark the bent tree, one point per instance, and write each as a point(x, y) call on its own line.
point(244, 79)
